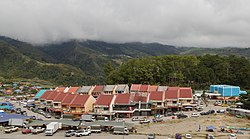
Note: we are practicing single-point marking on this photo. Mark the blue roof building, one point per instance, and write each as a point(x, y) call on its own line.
point(40, 93)
point(226, 90)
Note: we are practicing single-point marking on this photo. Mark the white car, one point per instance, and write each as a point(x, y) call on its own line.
point(194, 115)
point(10, 129)
point(82, 132)
point(188, 136)
point(232, 136)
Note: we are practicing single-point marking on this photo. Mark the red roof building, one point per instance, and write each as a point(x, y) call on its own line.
point(60, 97)
point(122, 99)
point(186, 93)
point(104, 104)
point(73, 89)
point(157, 96)
point(152, 88)
point(45, 95)
point(104, 100)
point(144, 88)
point(140, 96)
point(68, 99)
point(135, 88)
point(97, 90)
point(60, 89)
point(172, 93)
point(79, 101)
point(52, 96)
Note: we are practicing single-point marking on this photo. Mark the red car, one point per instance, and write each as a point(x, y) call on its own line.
point(26, 131)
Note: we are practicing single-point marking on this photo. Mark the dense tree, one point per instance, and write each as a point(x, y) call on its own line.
point(198, 72)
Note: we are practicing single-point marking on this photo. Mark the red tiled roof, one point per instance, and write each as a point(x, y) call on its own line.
point(98, 88)
point(156, 96)
point(172, 93)
point(135, 87)
point(45, 94)
point(104, 100)
point(68, 99)
point(122, 99)
point(144, 88)
point(140, 97)
point(73, 89)
point(52, 95)
point(152, 88)
point(186, 93)
point(79, 100)
point(60, 89)
point(60, 97)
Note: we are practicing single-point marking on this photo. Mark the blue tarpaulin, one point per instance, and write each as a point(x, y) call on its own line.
point(4, 117)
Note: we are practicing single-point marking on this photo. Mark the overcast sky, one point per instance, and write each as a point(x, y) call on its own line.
point(202, 23)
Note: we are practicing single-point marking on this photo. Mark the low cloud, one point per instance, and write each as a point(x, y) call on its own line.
point(201, 23)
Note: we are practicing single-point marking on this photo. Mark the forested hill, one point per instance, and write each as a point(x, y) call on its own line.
point(85, 62)
point(173, 70)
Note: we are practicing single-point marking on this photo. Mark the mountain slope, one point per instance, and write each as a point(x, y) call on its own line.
point(14, 65)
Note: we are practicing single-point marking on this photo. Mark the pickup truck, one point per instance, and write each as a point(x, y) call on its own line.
point(83, 132)
point(10, 129)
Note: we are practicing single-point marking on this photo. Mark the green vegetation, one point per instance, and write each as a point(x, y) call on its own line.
point(198, 72)
point(95, 62)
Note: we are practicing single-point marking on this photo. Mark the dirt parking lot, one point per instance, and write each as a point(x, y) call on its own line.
point(191, 125)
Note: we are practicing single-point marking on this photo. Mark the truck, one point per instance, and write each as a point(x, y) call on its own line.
point(102, 118)
point(87, 118)
point(51, 128)
point(16, 122)
point(121, 130)
point(95, 128)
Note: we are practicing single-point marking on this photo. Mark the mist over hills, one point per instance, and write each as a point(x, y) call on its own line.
point(82, 62)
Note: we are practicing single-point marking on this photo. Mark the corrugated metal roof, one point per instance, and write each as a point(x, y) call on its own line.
point(4, 117)
point(121, 87)
point(109, 88)
point(162, 88)
point(85, 89)
point(40, 93)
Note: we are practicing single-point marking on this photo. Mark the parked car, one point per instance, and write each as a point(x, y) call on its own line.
point(157, 120)
point(70, 133)
point(151, 136)
point(194, 115)
point(203, 113)
point(135, 119)
point(37, 130)
point(211, 111)
point(232, 136)
point(220, 111)
point(144, 121)
point(26, 131)
point(47, 115)
point(188, 136)
point(180, 116)
point(83, 132)
point(10, 129)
